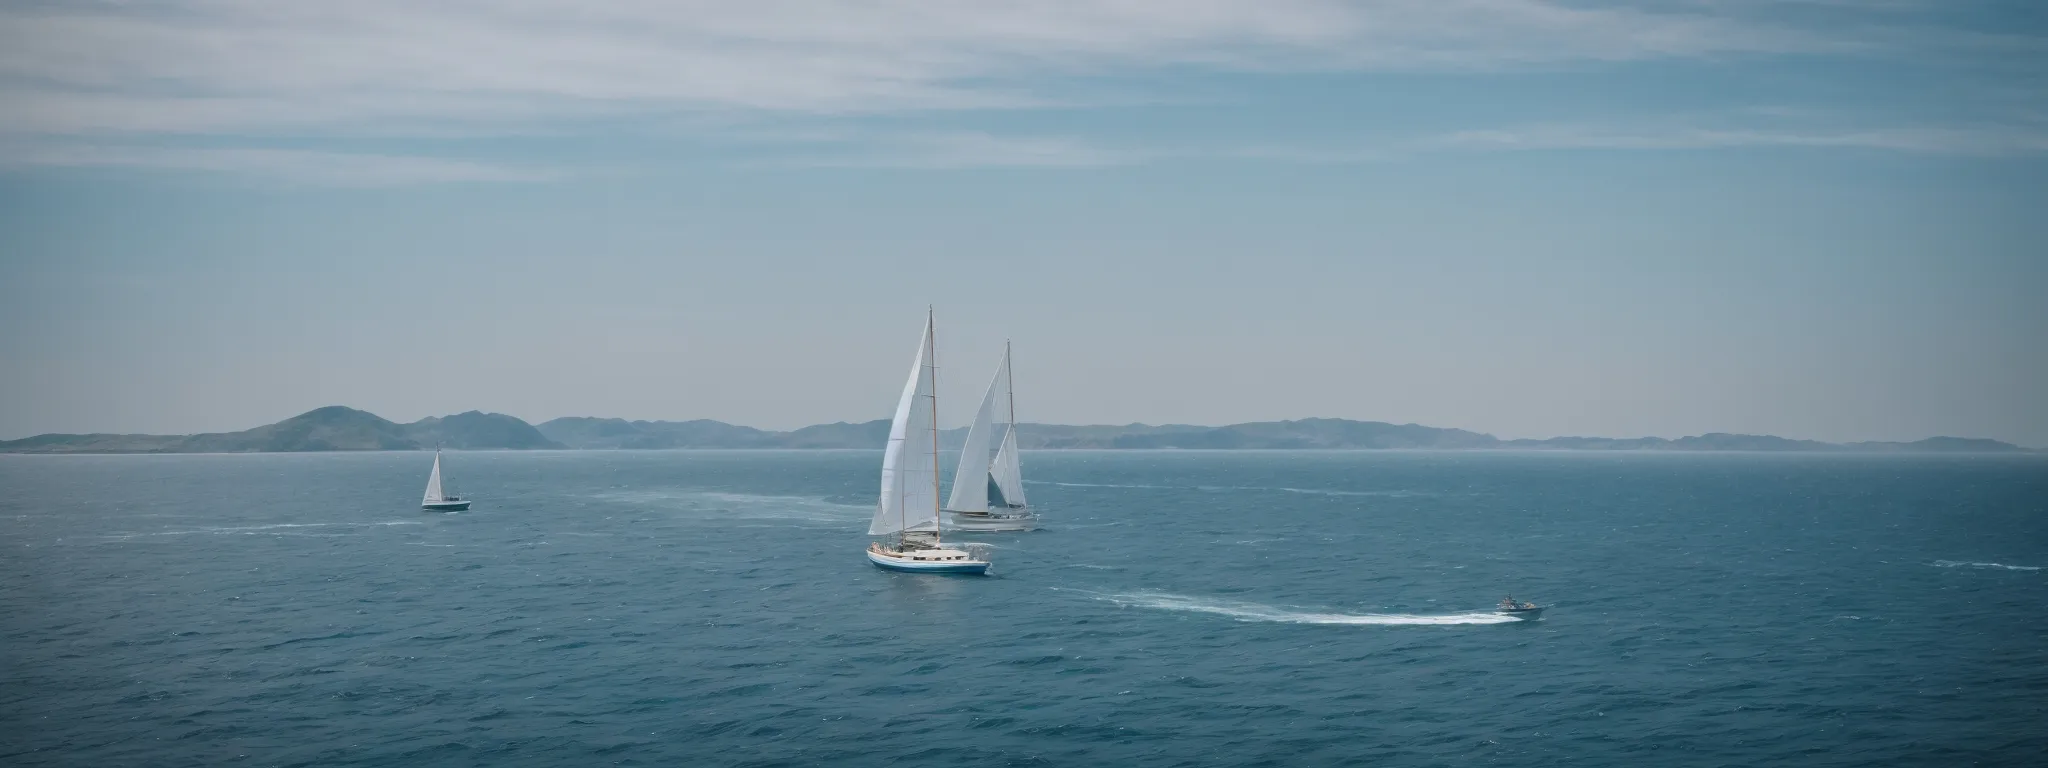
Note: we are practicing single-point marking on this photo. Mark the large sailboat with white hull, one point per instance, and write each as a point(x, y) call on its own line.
point(908, 511)
point(988, 493)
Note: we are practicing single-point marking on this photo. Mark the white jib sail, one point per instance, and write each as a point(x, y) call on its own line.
point(1008, 474)
point(970, 480)
point(909, 490)
point(434, 482)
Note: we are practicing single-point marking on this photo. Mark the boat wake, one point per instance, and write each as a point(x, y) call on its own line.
point(1999, 566)
point(1243, 611)
point(275, 529)
point(1320, 492)
point(1101, 485)
point(741, 505)
point(1253, 488)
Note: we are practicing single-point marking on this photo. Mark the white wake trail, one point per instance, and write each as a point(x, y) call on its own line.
point(727, 505)
point(1243, 611)
point(2000, 566)
point(1225, 488)
point(274, 528)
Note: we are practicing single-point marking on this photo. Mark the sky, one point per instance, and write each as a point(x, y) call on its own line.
point(1813, 218)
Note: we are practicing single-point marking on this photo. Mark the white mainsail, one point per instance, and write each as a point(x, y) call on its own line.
point(910, 493)
point(978, 474)
point(434, 483)
point(1007, 473)
point(970, 479)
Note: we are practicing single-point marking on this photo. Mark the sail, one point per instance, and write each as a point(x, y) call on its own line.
point(910, 492)
point(434, 482)
point(1007, 474)
point(970, 480)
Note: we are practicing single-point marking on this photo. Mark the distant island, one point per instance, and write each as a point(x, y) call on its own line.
point(338, 428)
point(334, 428)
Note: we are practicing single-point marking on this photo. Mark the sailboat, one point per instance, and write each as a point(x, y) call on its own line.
point(435, 499)
point(988, 494)
point(909, 505)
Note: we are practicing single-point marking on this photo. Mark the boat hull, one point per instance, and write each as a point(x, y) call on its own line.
point(968, 521)
point(1525, 614)
point(967, 567)
point(445, 506)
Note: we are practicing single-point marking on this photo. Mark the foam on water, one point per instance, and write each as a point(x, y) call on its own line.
point(1226, 488)
point(1103, 485)
point(1322, 492)
point(276, 529)
point(1244, 611)
point(1998, 566)
point(726, 505)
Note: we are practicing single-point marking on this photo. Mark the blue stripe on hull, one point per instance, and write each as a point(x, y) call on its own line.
point(916, 567)
point(447, 507)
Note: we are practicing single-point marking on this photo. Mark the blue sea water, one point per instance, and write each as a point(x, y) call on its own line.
point(1181, 608)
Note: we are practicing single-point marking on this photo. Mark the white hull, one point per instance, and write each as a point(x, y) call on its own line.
point(975, 521)
point(910, 563)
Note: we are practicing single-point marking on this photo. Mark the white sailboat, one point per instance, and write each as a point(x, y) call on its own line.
point(909, 505)
point(435, 499)
point(988, 494)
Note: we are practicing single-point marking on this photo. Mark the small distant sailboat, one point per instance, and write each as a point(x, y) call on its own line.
point(988, 494)
point(436, 500)
point(909, 506)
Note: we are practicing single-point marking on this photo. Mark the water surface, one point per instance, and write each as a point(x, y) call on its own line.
point(1182, 608)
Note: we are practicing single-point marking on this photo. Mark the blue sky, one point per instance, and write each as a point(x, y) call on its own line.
point(1811, 218)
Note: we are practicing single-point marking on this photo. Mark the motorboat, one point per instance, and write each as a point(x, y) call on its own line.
point(1526, 611)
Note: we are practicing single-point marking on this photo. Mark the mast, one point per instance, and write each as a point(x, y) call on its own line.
point(931, 337)
point(1010, 374)
point(902, 495)
point(902, 517)
point(901, 458)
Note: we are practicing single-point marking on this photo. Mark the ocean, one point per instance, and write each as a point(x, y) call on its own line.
point(708, 608)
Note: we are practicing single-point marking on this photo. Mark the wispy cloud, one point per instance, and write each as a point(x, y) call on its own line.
point(305, 166)
point(1997, 140)
point(970, 150)
point(114, 75)
point(241, 65)
point(953, 151)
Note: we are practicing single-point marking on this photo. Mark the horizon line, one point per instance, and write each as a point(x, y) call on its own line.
point(2029, 448)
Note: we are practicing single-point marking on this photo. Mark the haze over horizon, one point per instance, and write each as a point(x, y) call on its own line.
point(1533, 219)
point(953, 426)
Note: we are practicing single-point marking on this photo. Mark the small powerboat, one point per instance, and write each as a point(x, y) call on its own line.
point(1523, 610)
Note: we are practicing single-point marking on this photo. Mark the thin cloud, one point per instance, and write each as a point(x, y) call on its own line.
point(1986, 141)
point(959, 151)
point(227, 65)
point(302, 166)
point(97, 83)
